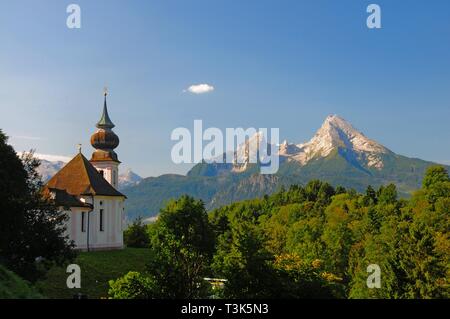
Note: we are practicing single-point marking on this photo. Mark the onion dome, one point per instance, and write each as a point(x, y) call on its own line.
point(104, 140)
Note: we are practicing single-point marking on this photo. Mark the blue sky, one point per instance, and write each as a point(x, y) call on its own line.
point(285, 64)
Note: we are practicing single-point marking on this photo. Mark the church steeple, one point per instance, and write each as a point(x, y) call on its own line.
point(104, 140)
point(105, 122)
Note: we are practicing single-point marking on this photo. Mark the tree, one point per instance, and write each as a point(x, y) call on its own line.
point(371, 196)
point(136, 235)
point(132, 286)
point(424, 272)
point(244, 262)
point(424, 241)
point(32, 231)
point(183, 244)
point(388, 194)
point(337, 236)
point(434, 175)
point(304, 280)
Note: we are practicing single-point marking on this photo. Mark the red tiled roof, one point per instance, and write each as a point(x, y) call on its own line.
point(79, 177)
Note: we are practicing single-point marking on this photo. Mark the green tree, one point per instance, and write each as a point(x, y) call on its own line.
point(423, 270)
point(371, 196)
point(434, 175)
point(337, 236)
point(32, 231)
point(136, 235)
point(388, 194)
point(300, 279)
point(244, 262)
point(132, 286)
point(183, 245)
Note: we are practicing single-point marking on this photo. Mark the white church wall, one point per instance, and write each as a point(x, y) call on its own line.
point(111, 237)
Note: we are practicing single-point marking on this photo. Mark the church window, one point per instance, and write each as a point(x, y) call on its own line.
point(102, 226)
point(83, 222)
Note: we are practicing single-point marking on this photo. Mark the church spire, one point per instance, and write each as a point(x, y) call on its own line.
point(105, 122)
point(104, 140)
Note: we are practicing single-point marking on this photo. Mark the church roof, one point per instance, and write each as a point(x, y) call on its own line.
point(62, 198)
point(79, 177)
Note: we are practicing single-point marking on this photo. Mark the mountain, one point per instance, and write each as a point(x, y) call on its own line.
point(337, 153)
point(336, 133)
point(128, 178)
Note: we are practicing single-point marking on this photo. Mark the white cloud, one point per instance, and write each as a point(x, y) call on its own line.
point(200, 88)
point(50, 157)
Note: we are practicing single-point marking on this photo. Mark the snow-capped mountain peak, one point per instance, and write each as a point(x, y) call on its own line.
point(338, 133)
point(334, 134)
point(128, 178)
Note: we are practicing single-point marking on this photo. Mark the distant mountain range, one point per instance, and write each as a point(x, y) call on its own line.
point(338, 153)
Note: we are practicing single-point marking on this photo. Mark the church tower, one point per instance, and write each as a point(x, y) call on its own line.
point(104, 140)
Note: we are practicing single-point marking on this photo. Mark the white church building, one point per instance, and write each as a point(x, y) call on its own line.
point(87, 190)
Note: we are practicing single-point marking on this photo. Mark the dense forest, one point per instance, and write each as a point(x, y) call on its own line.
point(311, 241)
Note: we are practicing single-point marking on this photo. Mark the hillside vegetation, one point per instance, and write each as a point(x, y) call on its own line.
point(312, 241)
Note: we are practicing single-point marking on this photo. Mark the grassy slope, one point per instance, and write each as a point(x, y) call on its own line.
point(97, 268)
point(14, 287)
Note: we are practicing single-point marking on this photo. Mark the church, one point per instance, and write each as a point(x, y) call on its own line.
point(87, 190)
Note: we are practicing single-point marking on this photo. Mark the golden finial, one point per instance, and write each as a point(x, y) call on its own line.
point(105, 91)
point(79, 148)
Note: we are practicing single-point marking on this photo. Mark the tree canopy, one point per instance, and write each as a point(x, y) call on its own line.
point(32, 229)
point(312, 241)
